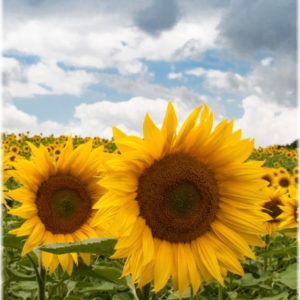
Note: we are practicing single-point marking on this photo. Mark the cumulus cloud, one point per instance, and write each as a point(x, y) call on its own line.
point(174, 75)
point(43, 78)
point(96, 119)
point(274, 80)
point(216, 80)
point(104, 37)
point(252, 28)
point(262, 25)
point(15, 120)
point(143, 88)
point(159, 16)
point(266, 61)
point(268, 123)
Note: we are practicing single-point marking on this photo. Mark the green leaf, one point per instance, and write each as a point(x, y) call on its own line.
point(12, 241)
point(17, 276)
point(95, 287)
point(110, 274)
point(249, 280)
point(73, 298)
point(289, 276)
point(175, 295)
point(288, 230)
point(122, 296)
point(282, 251)
point(282, 296)
point(97, 246)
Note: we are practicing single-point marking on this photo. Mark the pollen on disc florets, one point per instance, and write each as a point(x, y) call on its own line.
point(178, 198)
point(63, 203)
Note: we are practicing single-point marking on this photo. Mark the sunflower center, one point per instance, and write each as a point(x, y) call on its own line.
point(267, 178)
point(272, 208)
point(178, 198)
point(181, 198)
point(63, 203)
point(284, 182)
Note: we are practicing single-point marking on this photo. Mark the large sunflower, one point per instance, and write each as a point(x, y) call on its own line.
point(184, 206)
point(57, 200)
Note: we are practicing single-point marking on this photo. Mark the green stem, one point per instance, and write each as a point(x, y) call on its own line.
point(267, 240)
point(146, 291)
point(55, 287)
point(220, 292)
point(191, 291)
point(42, 291)
point(40, 277)
point(154, 296)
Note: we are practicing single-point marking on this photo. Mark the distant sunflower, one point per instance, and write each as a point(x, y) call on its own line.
point(295, 170)
point(276, 164)
point(282, 170)
point(57, 200)
point(183, 206)
point(284, 181)
point(14, 149)
point(290, 216)
point(272, 208)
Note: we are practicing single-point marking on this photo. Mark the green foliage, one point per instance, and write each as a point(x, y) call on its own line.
point(97, 246)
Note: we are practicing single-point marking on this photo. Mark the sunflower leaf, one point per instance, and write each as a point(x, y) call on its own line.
point(103, 247)
point(12, 241)
point(281, 251)
point(289, 276)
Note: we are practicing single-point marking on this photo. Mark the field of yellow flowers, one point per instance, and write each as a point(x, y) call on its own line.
point(57, 234)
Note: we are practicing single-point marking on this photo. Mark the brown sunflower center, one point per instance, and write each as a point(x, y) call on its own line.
point(284, 182)
point(178, 198)
point(63, 203)
point(272, 208)
point(268, 178)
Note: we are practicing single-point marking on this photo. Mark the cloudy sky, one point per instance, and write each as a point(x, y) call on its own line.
point(80, 67)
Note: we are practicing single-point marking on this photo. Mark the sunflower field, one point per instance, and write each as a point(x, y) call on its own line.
point(189, 213)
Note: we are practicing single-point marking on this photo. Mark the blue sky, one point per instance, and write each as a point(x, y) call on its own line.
point(95, 65)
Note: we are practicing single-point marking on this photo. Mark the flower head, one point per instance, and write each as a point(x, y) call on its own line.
point(183, 206)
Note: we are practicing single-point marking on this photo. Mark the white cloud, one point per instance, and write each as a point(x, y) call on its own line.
point(196, 72)
point(274, 80)
point(269, 123)
point(43, 78)
point(107, 40)
point(266, 61)
point(220, 80)
point(98, 118)
point(15, 120)
point(174, 75)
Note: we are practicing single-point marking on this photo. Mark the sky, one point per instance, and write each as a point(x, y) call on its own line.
point(80, 67)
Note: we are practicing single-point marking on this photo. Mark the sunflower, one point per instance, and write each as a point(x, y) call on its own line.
point(272, 208)
point(57, 200)
point(14, 149)
point(284, 181)
point(289, 216)
point(276, 164)
point(282, 170)
point(183, 206)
